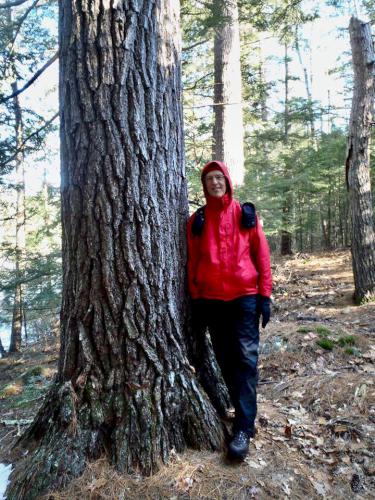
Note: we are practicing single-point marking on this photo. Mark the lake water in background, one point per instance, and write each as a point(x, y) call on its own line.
point(5, 337)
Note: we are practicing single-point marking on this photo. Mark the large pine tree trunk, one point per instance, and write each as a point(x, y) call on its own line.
point(358, 160)
point(125, 386)
point(228, 135)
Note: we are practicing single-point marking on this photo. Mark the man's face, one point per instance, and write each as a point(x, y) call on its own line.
point(215, 183)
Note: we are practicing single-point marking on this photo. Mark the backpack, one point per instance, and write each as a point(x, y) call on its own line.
point(248, 218)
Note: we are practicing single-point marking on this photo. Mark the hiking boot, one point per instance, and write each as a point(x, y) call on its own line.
point(239, 446)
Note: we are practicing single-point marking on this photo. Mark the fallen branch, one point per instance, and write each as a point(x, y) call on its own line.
point(13, 423)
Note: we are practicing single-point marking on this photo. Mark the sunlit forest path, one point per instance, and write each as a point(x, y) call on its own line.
point(316, 420)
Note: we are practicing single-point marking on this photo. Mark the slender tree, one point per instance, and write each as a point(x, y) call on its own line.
point(308, 84)
point(2, 350)
point(286, 234)
point(124, 385)
point(228, 136)
point(24, 43)
point(20, 219)
point(17, 319)
point(358, 160)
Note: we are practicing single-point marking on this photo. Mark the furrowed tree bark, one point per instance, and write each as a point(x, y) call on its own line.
point(358, 161)
point(228, 134)
point(125, 387)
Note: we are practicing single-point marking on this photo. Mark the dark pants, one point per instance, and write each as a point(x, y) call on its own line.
point(234, 331)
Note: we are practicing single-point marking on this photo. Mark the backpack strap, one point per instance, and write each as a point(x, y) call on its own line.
point(198, 222)
point(248, 219)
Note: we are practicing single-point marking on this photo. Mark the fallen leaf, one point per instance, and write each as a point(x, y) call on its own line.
point(328, 461)
point(368, 368)
point(360, 391)
point(253, 464)
point(253, 492)
point(96, 484)
point(297, 394)
point(288, 431)
point(319, 441)
point(340, 429)
point(369, 355)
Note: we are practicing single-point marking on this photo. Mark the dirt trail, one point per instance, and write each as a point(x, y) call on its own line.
point(316, 419)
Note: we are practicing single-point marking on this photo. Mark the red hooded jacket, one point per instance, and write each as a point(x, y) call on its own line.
point(226, 261)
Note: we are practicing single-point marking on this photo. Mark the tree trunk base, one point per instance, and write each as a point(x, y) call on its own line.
point(63, 436)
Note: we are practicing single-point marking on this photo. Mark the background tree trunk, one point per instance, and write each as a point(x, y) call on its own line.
point(17, 319)
point(20, 245)
point(228, 135)
point(287, 202)
point(2, 350)
point(308, 85)
point(358, 160)
point(125, 386)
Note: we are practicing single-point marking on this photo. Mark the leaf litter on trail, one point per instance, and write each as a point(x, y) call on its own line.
point(316, 417)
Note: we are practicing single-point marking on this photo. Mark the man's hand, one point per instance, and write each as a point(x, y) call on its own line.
point(264, 309)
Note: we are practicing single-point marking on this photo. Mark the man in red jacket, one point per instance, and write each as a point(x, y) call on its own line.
point(230, 282)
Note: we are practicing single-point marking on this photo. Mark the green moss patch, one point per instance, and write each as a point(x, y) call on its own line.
point(348, 340)
point(326, 344)
point(304, 329)
point(323, 331)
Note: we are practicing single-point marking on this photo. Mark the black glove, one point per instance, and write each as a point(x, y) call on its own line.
point(264, 309)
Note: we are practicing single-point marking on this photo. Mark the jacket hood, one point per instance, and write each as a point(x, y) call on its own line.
point(217, 165)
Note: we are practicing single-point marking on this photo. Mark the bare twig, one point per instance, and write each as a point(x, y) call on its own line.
point(194, 86)
point(190, 47)
point(15, 422)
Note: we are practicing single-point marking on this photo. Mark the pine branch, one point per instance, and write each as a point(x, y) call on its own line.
point(194, 86)
point(6, 5)
point(21, 20)
point(32, 80)
point(46, 124)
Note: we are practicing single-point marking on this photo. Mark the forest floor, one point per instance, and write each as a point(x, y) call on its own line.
point(316, 418)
